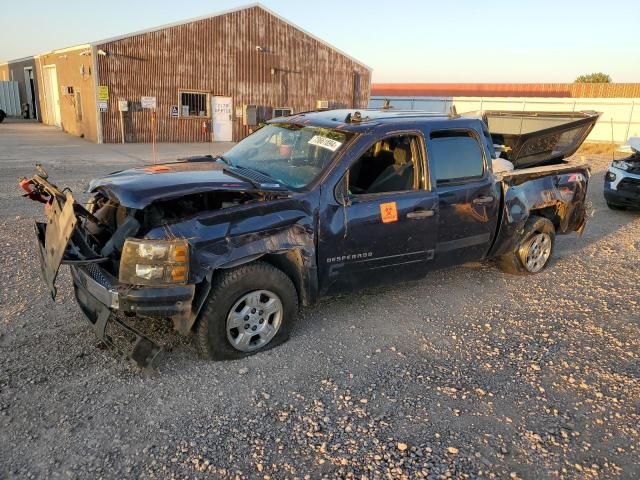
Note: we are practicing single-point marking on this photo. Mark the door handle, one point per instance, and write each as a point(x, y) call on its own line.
point(421, 214)
point(483, 200)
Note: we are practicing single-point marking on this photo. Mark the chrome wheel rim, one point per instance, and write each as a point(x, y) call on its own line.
point(538, 251)
point(254, 320)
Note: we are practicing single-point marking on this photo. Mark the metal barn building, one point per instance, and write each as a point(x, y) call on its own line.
point(214, 78)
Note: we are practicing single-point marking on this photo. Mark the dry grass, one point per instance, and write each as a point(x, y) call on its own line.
point(598, 148)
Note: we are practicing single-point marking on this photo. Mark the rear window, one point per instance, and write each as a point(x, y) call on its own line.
point(455, 156)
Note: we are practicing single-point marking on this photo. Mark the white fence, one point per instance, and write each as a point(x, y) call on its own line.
point(620, 117)
point(10, 98)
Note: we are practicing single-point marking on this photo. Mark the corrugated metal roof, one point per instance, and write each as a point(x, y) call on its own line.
point(571, 90)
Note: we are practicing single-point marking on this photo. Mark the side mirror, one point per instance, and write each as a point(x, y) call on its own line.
point(342, 191)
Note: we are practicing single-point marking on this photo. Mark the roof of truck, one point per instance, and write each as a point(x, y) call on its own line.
point(347, 119)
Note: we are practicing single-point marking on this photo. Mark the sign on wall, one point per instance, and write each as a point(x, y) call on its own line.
point(123, 105)
point(173, 112)
point(148, 102)
point(103, 93)
point(102, 105)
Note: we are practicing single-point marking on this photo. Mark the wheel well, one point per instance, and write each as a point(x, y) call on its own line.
point(292, 265)
point(550, 213)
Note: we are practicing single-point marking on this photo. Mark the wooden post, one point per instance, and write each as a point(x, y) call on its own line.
point(122, 125)
point(153, 136)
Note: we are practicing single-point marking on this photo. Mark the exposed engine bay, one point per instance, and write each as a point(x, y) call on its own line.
point(111, 223)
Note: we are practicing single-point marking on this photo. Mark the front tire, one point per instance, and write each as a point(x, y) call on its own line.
point(250, 309)
point(534, 249)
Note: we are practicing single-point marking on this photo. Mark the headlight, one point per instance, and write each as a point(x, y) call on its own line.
point(610, 176)
point(154, 262)
point(621, 164)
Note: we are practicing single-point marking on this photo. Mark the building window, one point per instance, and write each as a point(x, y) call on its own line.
point(282, 112)
point(194, 104)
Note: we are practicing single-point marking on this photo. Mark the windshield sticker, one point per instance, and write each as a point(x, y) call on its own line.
point(324, 142)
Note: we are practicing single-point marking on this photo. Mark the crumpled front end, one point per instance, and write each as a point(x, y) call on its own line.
point(157, 260)
point(91, 239)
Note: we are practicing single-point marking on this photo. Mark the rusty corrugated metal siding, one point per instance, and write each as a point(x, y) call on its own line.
point(218, 55)
point(564, 90)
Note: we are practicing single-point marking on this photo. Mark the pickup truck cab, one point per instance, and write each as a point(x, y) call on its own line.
point(310, 205)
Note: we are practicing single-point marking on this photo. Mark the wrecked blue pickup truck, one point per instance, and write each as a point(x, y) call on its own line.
point(310, 205)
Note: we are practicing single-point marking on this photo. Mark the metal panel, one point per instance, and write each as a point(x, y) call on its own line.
point(10, 98)
point(620, 117)
point(250, 55)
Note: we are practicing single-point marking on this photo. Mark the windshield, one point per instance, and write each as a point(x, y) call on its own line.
point(291, 154)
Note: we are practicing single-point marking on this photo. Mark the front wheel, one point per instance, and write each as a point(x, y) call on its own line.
point(250, 308)
point(534, 249)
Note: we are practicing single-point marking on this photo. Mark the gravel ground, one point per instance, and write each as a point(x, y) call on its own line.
point(469, 373)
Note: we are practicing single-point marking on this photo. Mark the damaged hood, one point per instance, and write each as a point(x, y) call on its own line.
point(139, 187)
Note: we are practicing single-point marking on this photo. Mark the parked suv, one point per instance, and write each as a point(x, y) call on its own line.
point(622, 180)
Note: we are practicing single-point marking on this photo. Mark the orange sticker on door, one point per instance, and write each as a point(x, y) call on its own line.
point(389, 212)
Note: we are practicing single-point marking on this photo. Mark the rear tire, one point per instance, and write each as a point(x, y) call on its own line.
point(534, 249)
point(613, 206)
point(250, 309)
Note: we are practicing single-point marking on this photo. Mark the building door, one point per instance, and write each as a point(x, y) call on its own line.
point(52, 95)
point(30, 89)
point(222, 125)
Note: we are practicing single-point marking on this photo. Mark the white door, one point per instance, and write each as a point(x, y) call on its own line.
point(52, 95)
point(222, 125)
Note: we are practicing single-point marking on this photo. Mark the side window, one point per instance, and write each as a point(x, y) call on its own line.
point(455, 156)
point(390, 165)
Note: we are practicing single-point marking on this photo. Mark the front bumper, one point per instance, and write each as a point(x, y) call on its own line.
point(101, 298)
point(624, 190)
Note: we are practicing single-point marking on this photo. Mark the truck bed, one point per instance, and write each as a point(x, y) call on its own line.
point(523, 174)
point(557, 192)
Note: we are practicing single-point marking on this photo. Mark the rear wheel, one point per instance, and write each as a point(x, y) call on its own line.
point(613, 206)
point(250, 308)
point(534, 249)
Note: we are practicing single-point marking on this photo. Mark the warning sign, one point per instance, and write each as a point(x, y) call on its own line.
point(389, 212)
point(103, 92)
point(173, 112)
point(148, 102)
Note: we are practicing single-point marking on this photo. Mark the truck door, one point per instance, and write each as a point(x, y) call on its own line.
point(380, 222)
point(468, 197)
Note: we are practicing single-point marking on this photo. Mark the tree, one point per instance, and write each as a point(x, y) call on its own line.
point(597, 77)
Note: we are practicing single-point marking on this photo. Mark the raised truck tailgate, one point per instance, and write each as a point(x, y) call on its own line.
point(539, 138)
